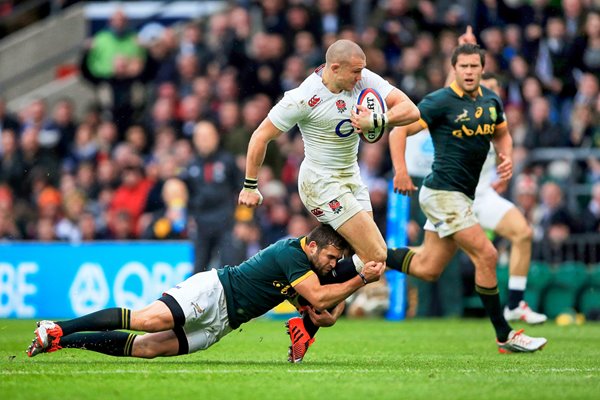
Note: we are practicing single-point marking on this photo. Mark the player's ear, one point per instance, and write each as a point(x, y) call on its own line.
point(312, 247)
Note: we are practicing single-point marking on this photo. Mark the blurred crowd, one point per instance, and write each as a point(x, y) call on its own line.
point(161, 153)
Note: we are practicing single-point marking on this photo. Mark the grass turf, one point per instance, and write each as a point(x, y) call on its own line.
point(369, 359)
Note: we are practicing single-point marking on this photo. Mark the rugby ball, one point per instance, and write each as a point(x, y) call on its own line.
point(372, 100)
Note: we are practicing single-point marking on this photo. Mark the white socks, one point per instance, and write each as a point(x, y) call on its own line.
point(358, 264)
point(517, 283)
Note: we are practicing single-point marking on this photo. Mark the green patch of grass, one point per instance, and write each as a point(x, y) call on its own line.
point(370, 359)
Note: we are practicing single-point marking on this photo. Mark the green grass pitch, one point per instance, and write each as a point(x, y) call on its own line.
point(367, 359)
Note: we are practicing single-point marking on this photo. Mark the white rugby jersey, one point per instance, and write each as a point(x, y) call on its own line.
point(324, 118)
point(488, 172)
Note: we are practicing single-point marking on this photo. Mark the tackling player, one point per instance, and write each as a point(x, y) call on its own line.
point(198, 312)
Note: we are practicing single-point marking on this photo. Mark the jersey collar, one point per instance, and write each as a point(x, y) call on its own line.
point(303, 243)
point(459, 91)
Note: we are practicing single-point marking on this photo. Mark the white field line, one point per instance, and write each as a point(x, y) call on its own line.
point(294, 371)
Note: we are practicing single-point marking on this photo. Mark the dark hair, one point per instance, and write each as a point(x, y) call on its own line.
point(489, 75)
point(325, 235)
point(468, 49)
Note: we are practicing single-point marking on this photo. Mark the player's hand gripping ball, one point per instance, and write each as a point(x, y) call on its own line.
point(373, 101)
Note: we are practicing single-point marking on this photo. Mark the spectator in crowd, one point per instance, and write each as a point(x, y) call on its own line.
point(122, 226)
point(526, 198)
point(85, 180)
point(11, 163)
point(212, 178)
point(36, 118)
point(67, 228)
point(8, 225)
point(84, 147)
point(587, 90)
point(410, 75)
point(63, 123)
point(88, 228)
point(574, 15)
point(191, 113)
point(34, 158)
point(553, 224)
point(167, 168)
point(591, 215)
point(247, 240)
point(541, 131)
point(116, 41)
point(582, 125)
point(120, 89)
point(555, 68)
point(128, 202)
point(171, 221)
point(586, 47)
point(45, 230)
point(7, 121)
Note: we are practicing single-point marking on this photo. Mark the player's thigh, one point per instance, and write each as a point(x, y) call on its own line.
point(333, 197)
point(476, 244)
point(434, 254)
point(364, 236)
point(514, 226)
point(159, 344)
point(200, 300)
point(490, 208)
point(447, 211)
point(155, 317)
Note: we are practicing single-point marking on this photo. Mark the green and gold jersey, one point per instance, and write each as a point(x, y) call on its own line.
point(461, 129)
point(265, 280)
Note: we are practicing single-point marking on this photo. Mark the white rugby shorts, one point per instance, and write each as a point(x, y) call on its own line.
point(489, 208)
point(202, 299)
point(333, 196)
point(447, 212)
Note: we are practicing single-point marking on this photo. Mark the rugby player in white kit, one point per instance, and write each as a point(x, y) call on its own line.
point(329, 181)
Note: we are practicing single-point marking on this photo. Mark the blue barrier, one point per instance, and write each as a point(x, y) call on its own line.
point(63, 280)
point(397, 217)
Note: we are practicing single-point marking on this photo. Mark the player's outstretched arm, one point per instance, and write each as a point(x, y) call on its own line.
point(323, 297)
point(401, 110)
point(257, 148)
point(402, 182)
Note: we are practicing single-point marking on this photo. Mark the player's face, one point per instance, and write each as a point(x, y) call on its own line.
point(349, 73)
point(468, 70)
point(325, 259)
point(491, 84)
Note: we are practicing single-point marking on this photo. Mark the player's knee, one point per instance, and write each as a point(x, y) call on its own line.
point(380, 254)
point(431, 276)
point(523, 234)
point(143, 348)
point(153, 324)
point(489, 257)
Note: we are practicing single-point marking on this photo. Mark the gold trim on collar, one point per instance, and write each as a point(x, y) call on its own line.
point(303, 243)
point(459, 92)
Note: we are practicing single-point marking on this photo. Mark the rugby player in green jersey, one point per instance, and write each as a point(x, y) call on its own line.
point(198, 312)
point(462, 120)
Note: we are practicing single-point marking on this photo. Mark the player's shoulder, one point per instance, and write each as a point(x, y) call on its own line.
point(440, 96)
point(286, 245)
point(489, 94)
point(309, 87)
